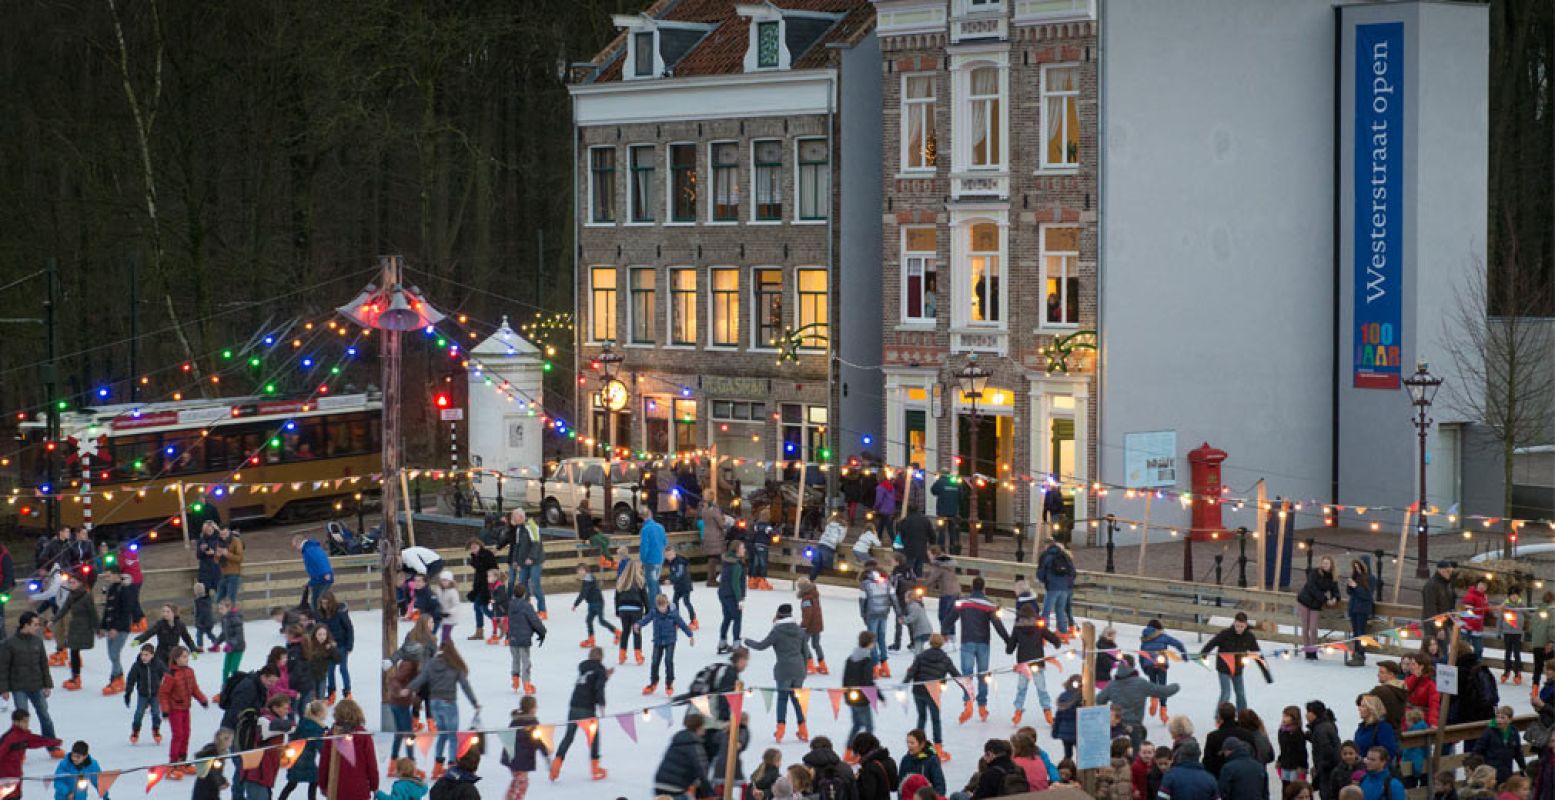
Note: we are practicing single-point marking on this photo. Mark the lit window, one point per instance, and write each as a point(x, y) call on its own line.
point(726, 181)
point(919, 143)
point(602, 184)
point(683, 182)
point(814, 179)
point(769, 179)
point(683, 306)
point(643, 329)
point(643, 194)
point(984, 273)
point(767, 305)
point(1060, 283)
point(812, 307)
point(920, 276)
point(1061, 116)
point(726, 307)
point(986, 117)
point(602, 304)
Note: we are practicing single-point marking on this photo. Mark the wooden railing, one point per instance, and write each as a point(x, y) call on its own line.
point(1453, 735)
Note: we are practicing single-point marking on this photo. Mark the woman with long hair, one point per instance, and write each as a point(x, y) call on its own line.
point(1319, 592)
point(1362, 601)
point(354, 777)
point(631, 604)
point(444, 676)
point(334, 615)
point(418, 647)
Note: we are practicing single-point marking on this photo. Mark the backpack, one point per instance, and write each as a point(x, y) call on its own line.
point(706, 680)
point(829, 785)
point(228, 686)
point(1061, 566)
point(1014, 783)
point(245, 732)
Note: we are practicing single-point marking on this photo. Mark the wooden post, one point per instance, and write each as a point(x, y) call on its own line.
point(334, 767)
point(393, 490)
point(183, 513)
point(1260, 520)
point(713, 475)
point(804, 467)
point(1403, 542)
point(1441, 718)
point(901, 512)
point(410, 520)
point(1144, 539)
point(734, 747)
point(1088, 690)
point(1279, 545)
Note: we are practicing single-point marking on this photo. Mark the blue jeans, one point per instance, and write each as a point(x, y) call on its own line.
point(446, 714)
point(683, 597)
point(345, 674)
point(863, 722)
point(758, 561)
point(651, 581)
point(115, 648)
point(401, 717)
point(927, 710)
point(529, 575)
point(255, 791)
point(40, 709)
point(141, 704)
point(1229, 683)
point(480, 615)
point(785, 696)
point(1055, 609)
point(316, 589)
point(663, 653)
point(732, 617)
point(1039, 677)
point(824, 558)
point(974, 659)
point(877, 625)
point(228, 587)
point(947, 615)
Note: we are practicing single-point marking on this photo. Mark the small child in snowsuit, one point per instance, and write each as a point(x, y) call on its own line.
point(230, 639)
point(524, 625)
point(664, 622)
point(593, 600)
point(204, 615)
point(143, 683)
point(521, 761)
point(497, 589)
point(679, 571)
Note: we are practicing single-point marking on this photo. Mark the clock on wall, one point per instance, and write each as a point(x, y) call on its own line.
point(613, 396)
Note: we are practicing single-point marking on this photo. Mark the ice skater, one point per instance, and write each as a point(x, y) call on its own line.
point(792, 648)
point(664, 622)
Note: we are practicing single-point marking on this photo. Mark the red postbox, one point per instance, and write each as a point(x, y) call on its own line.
point(1204, 462)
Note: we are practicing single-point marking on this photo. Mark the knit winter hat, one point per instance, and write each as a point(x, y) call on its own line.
point(912, 783)
point(784, 611)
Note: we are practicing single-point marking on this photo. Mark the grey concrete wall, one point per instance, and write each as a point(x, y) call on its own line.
point(862, 401)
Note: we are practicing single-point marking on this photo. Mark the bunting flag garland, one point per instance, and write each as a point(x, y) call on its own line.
point(547, 735)
point(628, 723)
point(509, 740)
point(874, 696)
point(703, 706)
point(154, 776)
point(10, 786)
point(290, 754)
point(346, 747)
point(965, 682)
point(466, 741)
point(590, 729)
point(1023, 670)
point(766, 698)
point(736, 702)
point(1229, 660)
point(836, 702)
point(667, 714)
point(935, 689)
point(105, 781)
point(253, 758)
point(802, 699)
point(203, 767)
point(424, 743)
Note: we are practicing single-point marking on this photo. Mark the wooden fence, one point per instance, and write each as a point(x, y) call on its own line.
point(1454, 735)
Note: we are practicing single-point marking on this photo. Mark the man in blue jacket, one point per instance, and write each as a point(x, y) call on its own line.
point(1379, 783)
point(321, 575)
point(1056, 571)
point(947, 506)
point(651, 540)
point(1187, 779)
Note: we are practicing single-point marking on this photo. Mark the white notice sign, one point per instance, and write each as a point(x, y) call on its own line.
point(1446, 679)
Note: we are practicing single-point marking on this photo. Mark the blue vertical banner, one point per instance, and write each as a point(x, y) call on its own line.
point(1379, 204)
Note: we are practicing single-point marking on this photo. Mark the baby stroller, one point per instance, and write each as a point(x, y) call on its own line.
point(342, 542)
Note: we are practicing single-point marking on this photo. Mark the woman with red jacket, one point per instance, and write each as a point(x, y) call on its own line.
point(1477, 607)
point(178, 691)
point(354, 778)
point(1420, 680)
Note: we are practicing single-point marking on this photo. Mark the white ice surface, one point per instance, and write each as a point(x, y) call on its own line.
point(104, 721)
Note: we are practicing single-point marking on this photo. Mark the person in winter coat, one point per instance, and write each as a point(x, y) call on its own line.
point(916, 533)
point(1242, 776)
point(813, 621)
point(926, 675)
point(336, 616)
point(1039, 768)
point(939, 579)
point(144, 686)
point(407, 785)
point(885, 510)
point(353, 778)
point(1361, 588)
point(1437, 599)
point(947, 509)
point(1236, 646)
point(684, 766)
point(1541, 636)
point(1065, 720)
point(1027, 641)
point(272, 726)
point(593, 600)
point(1477, 696)
point(1379, 783)
point(450, 602)
point(922, 759)
point(1347, 771)
point(445, 676)
point(877, 774)
point(1321, 591)
point(792, 649)
point(874, 607)
point(997, 774)
point(651, 541)
point(1128, 693)
point(1392, 691)
point(1323, 734)
point(1056, 571)
point(678, 570)
point(1226, 727)
point(524, 627)
point(521, 761)
point(117, 619)
point(459, 782)
point(1501, 745)
point(1512, 620)
point(1106, 655)
point(1374, 730)
point(305, 769)
point(916, 620)
point(1420, 687)
point(1154, 643)
point(631, 603)
point(824, 555)
point(230, 639)
point(664, 622)
point(168, 631)
point(15, 743)
point(716, 524)
point(72, 771)
point(858, 673)
point(179, 689)
point(731, 594)
point(24, 670)
point(829, 770)
point(587, 703)
point(321, 575)
point(80, 629)
point(210, 785)
point(229, 553)
point(1476, 609)
point(1292, 762)
point(482, 562)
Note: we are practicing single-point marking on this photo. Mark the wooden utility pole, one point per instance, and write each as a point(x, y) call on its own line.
point(1403, 544)
point(1279, 545)
point(389, 539)
point(1260, 529)
point(1144, 538)
point(1088, 690)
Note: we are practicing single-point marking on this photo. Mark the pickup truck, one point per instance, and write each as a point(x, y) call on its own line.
point(558, 495)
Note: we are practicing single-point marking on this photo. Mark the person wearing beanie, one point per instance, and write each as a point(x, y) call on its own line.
point(792, 647)
point(1127, 693)
point(1154, 642)
point(78, 767)
point(459, 782)
point(1187, 779)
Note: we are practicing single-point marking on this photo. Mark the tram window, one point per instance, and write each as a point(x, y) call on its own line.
point(136, 457)
point(304, 444)
point(183, 454)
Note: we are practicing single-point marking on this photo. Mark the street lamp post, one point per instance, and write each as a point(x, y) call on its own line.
point(973, 380)
point(612, 396)
point(1422, 388)
point(1112, 527)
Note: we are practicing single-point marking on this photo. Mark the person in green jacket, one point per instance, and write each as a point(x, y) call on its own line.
point(1541, 624)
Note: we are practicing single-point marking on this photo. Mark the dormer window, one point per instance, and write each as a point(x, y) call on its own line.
point(776, 34)
point(642, 54)
point(768, 44)
point(655, 46)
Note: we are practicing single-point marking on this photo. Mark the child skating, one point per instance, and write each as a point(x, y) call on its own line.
point(587, 704)
point(524, 626)
point(1028, 641)
point(179, 691)
point(631, 602)
point(1154, 642)
point(593, 600)
point(230, 639)
point(813, 621)
point(664, 622)
point(522, 760)
point(679, 571)
point(143, 686)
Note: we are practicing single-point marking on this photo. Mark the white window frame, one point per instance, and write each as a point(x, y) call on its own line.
point(798, 316)
point(615, 171)
point(1042, 122)
point(906, 257)
point(826, 175)
point(961, 272)
point(669, 184)
point(631, 307)
point(671, 314)
point(712, 184)
point(755, 218)
point(757, 309)
point(629, 69)
point(712, 307)
point(616, 288)
point(915, 105)
point(1073, 265)
point(631, 182)
point(996, 127)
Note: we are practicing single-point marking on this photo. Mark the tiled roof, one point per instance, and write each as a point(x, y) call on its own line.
point(722, 51)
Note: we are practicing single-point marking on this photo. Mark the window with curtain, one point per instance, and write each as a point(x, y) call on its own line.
point(602, 304)
point(643, 329)
point(602, 184)
point(920, 275)
point(1060, 283)
point(726, 181)
point(1061, 116)
point(986, 116)
point(918, 140)
point(984, 261)
point(643, 193)
point(726, 307)
point(642, 55)
point(813, 308)
point(768, 167)
point(814, 179)
point(767, 305)
point(683, 306)
point(683, 182)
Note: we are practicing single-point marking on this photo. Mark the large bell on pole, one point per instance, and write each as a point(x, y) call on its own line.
point(400, 316)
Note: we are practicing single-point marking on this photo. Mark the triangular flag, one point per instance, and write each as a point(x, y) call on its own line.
point(424, 743)
point(346, 747)
point(629, 724)
point(9, 786)
point(935, 688)
point(1172, 655)
point(836, 702)
point(590, 730)
point(802, 699)
point(154, 776)
point(1230, 661)
point(105, 780)
point(965, 682)
point(736, 702)
point(252, 758)
point(1023, 670)
point(201, 768)
point(766, 698)
point(467, 740)
point(703, 706)
point(1052, 661)
point(1369, 641)
point(509, 739)
point(666, 712)
point(290, 753)
point(546, 734)
point(873, 694)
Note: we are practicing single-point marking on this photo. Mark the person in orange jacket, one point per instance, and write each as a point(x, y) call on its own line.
point(14, 746)
point(179, 689)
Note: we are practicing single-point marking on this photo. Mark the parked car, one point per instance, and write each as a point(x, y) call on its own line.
point(563, 489)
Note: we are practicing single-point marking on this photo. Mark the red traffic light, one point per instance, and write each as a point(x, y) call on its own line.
point(440, 400)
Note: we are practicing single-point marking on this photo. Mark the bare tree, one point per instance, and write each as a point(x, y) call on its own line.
point(1503, 346)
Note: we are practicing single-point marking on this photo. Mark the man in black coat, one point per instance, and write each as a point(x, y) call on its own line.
point(482, 561)
point(685, 762)
point(916, 532)
point(1215, 742)
point(1438, 597)
point(249, 694)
